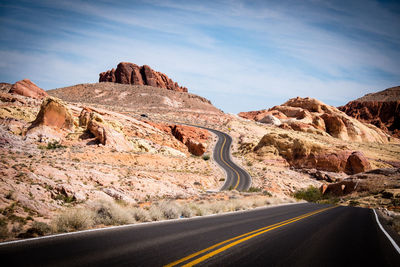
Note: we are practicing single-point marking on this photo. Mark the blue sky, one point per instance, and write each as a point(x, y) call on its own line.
point(242, 55)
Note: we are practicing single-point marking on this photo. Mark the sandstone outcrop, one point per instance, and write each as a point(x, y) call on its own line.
point(129, 73)
point(53, 112)
point(357, 163)
point(5, 87)
point(53, 119)
point(27, 88)
point(313, 116)
point(381, 109)
point(305, 154)
point(104, 132)
point(193, 138)
point(384, 181)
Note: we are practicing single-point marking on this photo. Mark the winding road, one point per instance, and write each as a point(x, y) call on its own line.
point(288, 235)
point(236, 177)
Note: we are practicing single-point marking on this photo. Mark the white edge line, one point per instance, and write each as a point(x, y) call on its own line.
point(387, 235)
point(141, 224)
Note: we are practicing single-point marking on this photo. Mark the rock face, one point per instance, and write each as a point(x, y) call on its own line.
point(357, 163)
point(304, 154)
point(129, 73)
point(103, 132)
point(191, 137)
point(53, 112)
point(313, 116)
point(27, 88)
point(381, 109)
point(385, 180)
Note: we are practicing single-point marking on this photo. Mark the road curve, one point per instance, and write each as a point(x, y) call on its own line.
point(236, 177)
point(291, 235)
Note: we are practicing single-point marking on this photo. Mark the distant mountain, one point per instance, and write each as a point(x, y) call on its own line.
point(381, 109)
point(129, 73)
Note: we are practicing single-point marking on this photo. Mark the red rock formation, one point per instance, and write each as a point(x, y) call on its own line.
point(27, 88)
point(192, 137)
point(53, 112)
point(313, 116)
point(357, 163)
point(384, 115)
point(129, 73)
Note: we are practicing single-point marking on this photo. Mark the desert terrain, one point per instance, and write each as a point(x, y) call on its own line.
point(119, 149)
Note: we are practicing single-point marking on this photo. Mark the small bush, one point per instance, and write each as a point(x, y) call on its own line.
point(311, 194)
point(141, 215)
point(109, 213)
point(52, 145)
point(186, 211)
point(169, 209)
point(37, 229)
point(73, 220)
point(254, 189)
point(206, 157)
point(156, 213)
point(3, 229)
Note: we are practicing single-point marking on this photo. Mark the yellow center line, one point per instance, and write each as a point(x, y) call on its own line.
point(238, 175)
point(255, 233)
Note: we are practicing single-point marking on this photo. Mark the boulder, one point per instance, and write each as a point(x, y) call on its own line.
point(106, 135)
point(357, 163)
point(53, 112)
point(129, 73)
point(27, 88)
point(270, 119)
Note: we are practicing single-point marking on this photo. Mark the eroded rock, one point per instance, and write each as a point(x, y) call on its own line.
point(27, 88)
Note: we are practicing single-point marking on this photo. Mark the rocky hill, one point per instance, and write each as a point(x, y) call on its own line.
point(313, 116)
point(138, 97)
point(129, 73)
point(381, 109)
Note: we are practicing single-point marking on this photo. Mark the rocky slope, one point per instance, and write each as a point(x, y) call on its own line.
point(137, 98)
point(129, 73)
point(381, 109)
point(313, 116)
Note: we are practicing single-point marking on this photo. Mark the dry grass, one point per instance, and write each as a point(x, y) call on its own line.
point(73, 220)
point(113, 213)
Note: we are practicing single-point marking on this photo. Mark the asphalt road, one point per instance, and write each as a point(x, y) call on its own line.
point(293, 235)
point(236, 177)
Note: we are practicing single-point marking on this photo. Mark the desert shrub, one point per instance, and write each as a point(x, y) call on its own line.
point(73, 220)
point(396, 224)
point(110, 213)
point(141, 215)
point(310, 194)
point(186, 211)
point(156, 213)
point(206, 157)
point(52, 145)
point(3, 229)
point(254, 189)
point(37, 229)
point(266, 193)
point(170, 209)
point(198, 210)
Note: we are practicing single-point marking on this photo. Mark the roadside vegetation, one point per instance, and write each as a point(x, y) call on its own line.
point(104, 213)
point(313, 194)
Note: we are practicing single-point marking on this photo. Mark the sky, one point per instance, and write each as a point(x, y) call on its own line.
point(242, 55)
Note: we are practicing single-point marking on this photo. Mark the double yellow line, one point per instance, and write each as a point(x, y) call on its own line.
point(239, 239)
point(238, 175)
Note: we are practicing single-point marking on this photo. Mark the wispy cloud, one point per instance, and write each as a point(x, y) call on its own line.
point(242, 55)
